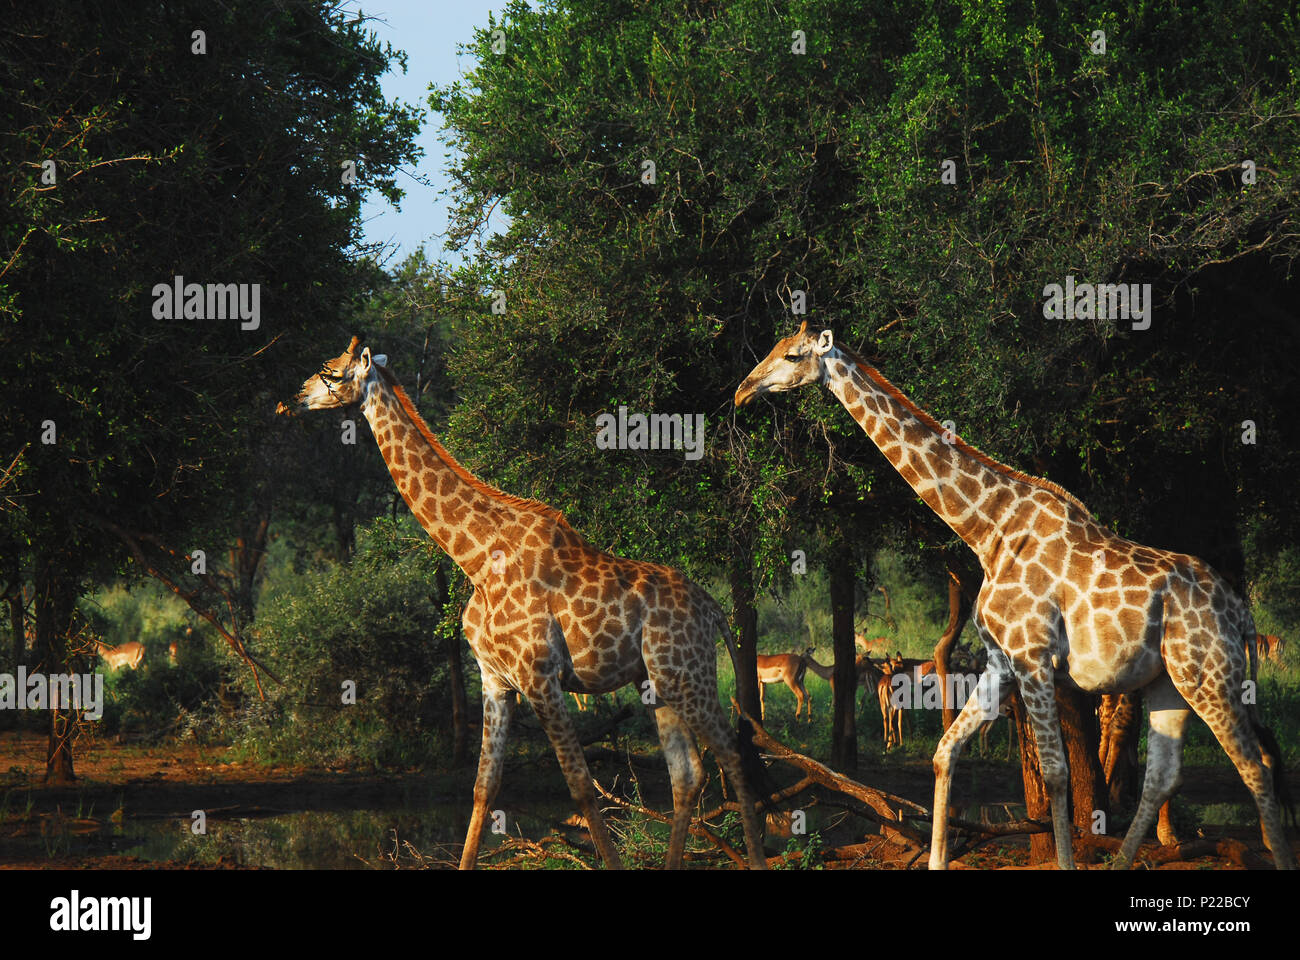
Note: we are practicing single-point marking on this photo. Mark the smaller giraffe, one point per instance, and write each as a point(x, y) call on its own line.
point(551, 614)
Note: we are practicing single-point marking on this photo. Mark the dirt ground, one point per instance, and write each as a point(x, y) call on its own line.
point(169, 781)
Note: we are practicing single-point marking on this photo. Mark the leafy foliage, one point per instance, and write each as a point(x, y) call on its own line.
point(368, 624)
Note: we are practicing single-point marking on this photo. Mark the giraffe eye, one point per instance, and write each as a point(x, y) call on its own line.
point(793, 357)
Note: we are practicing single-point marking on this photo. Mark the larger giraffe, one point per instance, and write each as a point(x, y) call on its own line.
point(551, 614)
point(1063, 599)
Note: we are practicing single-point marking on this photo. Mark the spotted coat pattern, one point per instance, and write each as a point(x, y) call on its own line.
point(551, 614)
point(1064, 600)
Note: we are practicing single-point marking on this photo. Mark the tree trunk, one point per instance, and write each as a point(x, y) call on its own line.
point(747, 694)
point(246, 557)
point(1087, 786)
point(1042, 848)
point(17, 623)
point(55, 599)
point(844, 735)
point(961, 599)
point(1121, 717)
point(459, 701)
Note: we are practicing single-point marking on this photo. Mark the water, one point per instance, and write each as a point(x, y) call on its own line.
point(370, 838)
point(329, 840)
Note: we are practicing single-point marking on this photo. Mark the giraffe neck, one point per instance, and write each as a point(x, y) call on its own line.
point(975, 495)
point(463, 515)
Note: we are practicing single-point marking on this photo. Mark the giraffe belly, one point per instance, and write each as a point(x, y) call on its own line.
point(603, 654)
point(1104, 670)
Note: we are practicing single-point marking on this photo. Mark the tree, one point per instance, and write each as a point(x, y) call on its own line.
point(138, 150)
point(683, 180)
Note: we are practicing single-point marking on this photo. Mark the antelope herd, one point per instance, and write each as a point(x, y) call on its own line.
point(887, 678)
point(877, 670)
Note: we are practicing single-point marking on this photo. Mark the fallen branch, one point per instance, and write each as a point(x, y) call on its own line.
point(731, 806)
point(522, 847)
point(884, 808)
point(1228, 848)
point(883, 803)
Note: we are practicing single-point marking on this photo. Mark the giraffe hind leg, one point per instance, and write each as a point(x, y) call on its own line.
point(692, 694)
point(1229, 719)
point(686, 773)
point(1168, 723)
point(710, 727)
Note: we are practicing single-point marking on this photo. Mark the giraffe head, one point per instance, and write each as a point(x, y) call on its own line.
point(341, 381)
point(793, 362)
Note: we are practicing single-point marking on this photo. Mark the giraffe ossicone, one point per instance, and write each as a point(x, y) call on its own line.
point(552, 615)
point(1064, 599)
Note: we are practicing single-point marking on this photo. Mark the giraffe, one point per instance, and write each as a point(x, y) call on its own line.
point(551, 614)
point(1063, 599)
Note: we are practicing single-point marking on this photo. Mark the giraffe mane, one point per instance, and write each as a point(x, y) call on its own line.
point(520, 503)
point(880, 380)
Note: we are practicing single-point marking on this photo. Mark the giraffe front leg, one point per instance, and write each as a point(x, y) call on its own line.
point(498, 704)
point(982, 705)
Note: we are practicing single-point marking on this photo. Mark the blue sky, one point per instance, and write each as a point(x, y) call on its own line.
point(429, 33)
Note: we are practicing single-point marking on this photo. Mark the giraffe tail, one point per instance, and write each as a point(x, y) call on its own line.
point(1268, 745)
point(1273, 760)
point(751, 763)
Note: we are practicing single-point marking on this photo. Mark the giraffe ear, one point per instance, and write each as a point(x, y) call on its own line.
point(824, 343)
point(381, 359)
point(365, 359)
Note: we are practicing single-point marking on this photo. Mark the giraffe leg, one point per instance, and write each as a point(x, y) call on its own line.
point(1040, 704)
point(709, 726)
point(980, 707)
point(686, 772)
point(1230, 723)
point(548, 703)
point(693, 695)
point(498, 704)
point(1169, 715)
